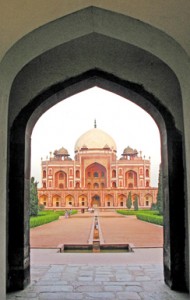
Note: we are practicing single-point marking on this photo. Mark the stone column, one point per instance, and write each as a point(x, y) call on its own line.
point(18, 213)
point(174, 212)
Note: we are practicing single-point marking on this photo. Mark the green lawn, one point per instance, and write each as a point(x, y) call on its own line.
point(150, 216)
point(47, 216)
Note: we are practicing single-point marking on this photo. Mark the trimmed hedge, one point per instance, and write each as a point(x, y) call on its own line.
point(155, 219)
point(144, 215)
point(45, 217)
point(40, 220)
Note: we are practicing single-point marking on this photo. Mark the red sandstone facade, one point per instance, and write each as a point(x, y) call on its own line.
point(95, 178)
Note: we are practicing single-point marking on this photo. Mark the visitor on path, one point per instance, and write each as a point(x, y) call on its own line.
point(66, 214)
point(69, 213)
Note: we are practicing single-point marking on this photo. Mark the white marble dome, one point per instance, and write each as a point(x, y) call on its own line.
point(95, 139)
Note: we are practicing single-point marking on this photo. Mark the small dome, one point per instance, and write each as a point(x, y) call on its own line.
point(61, 152)
point(95, 139)
point(129, 151)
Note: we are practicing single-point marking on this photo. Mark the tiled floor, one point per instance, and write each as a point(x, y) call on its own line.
point(84, 281)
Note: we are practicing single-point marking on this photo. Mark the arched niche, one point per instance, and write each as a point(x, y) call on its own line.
point(95, 58)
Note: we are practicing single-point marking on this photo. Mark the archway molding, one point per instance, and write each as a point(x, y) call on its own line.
point(95, 58)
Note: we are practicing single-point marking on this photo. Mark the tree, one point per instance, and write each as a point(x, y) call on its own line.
point(135, 203)
point(154, 206)
point(129, 201)
point(160, 192)
point(33, 197)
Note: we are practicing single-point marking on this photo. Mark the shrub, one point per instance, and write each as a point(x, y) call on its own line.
point(47, 216)
point(43, 219)
point(151, 218)
point(144, 215)
point(135, 203)
point(126, 212)
point(129, 201)
point(33, 197)
point(41, 207)
point(154, 206)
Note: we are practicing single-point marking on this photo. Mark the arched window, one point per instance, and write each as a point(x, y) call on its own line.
point(95, 174)
point(89, 185)
point(44, 174)
point(114, 184)
point(147, 183)
point(77, 174)
point(61, 185)
point(61, 175)
point(147, 172)
point(130, 175)
point(77, 185)
point(113, 173)
point(71, 172)
point(130, 185)
point(44, 185)
point(50, 171)
point(96, 185)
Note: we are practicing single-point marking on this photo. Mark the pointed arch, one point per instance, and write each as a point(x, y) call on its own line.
point(96, 176)
point(135, 70)
point(131, 179)
point(60, 180)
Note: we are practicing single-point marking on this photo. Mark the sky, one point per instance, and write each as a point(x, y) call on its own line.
point(124, 121)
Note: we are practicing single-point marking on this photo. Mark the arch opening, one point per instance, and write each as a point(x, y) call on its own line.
point(117, 62)
point(168, 135)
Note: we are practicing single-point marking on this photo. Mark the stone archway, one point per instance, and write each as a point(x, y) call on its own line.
point(173, 138)
point(96, 202)
point(132, 76)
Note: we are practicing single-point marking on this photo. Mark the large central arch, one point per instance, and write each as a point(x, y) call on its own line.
point(93, 57)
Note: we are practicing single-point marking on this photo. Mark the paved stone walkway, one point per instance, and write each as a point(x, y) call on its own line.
point(131, 230)
point(72, 230)
point(115, 229)
point(127, 276)
point(74, 281)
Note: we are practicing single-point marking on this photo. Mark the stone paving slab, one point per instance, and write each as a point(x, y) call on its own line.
point(76, 281)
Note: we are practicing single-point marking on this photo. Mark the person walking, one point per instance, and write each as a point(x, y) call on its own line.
point(66, 214)
point(69, 212)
